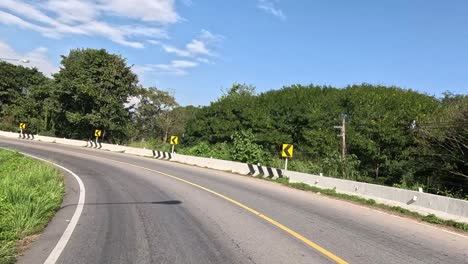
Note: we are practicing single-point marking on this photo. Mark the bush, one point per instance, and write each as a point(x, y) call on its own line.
point(432, 219)
point(245, 150)
point(202, 149)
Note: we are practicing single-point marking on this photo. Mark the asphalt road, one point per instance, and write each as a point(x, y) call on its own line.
point(140, 210)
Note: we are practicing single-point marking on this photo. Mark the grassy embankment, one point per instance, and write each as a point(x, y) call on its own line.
point(30, 194)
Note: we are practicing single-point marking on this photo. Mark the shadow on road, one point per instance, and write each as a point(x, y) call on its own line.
point(169, 202)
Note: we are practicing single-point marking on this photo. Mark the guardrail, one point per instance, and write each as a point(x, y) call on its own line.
point(424, 203)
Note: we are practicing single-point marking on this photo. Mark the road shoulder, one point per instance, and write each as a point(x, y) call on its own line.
point(40, 249)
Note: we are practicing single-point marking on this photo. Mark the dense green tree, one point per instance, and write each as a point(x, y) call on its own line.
point(380, 143)
point(22, 94)
point(442, 150)
point(224, 117)
point(156, 114)
point(93, 87)
point(15, 81)
point(379, 118)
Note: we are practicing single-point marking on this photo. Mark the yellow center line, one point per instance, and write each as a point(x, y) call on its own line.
point(253, 211)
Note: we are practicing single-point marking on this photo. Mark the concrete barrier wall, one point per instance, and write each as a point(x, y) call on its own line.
point(217, 164)
point(226, 165)
point(9, 134)
point(71, 142)
point(112, 147)
point(45, 139)
point(139, 152)
point(423, 203)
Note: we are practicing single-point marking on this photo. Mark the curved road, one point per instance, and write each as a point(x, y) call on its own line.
point(140, 210)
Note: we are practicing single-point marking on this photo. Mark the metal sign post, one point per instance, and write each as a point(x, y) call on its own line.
point(286, 164)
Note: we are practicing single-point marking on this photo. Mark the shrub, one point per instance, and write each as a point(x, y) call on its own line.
point(244, 149)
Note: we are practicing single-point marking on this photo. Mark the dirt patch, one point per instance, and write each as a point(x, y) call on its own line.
point(25, 243)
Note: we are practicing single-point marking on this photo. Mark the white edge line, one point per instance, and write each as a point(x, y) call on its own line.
point(416, 222)
point(60, 246)
point(394, 215)
point(82, 190)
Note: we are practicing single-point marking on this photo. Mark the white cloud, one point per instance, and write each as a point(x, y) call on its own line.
point(10, 19)
point(162, 11)
point(197, 47)
point(204, 60)
point(183, 64)
point(269, 6)
point(209, 37)
point(178, 52)
point(144, 31)
point(155, 42)
point(175, 67)
point(58, 18)
point(196, 50)
point(110, 32)
point(27, 10)
point(71, 11)
point(37, 58)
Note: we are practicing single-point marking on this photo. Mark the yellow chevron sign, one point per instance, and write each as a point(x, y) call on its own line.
point(287, 151)
point(22, 125)
point(174, 140)
point(97, 133)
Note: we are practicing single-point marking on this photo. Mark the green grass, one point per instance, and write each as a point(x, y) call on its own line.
point(372, 203)
point(30, 194)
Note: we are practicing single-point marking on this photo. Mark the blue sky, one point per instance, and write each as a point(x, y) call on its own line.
point(195, 48)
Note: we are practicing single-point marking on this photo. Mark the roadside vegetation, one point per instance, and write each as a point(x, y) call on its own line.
point(30, 194)
point(394, 137)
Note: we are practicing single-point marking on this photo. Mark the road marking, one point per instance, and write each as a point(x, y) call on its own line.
point(253, 211)
point(415, 222)
point(58, 249)
point(371, 209)
point(55, 254)
point(60, 246)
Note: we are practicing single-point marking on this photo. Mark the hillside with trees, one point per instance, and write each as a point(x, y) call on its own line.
point(394, 136)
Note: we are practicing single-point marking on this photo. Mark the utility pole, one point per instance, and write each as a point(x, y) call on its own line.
point(343, 136)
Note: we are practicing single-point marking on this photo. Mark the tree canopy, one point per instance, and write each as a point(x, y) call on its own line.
point(381, 145)
point(93, 87)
